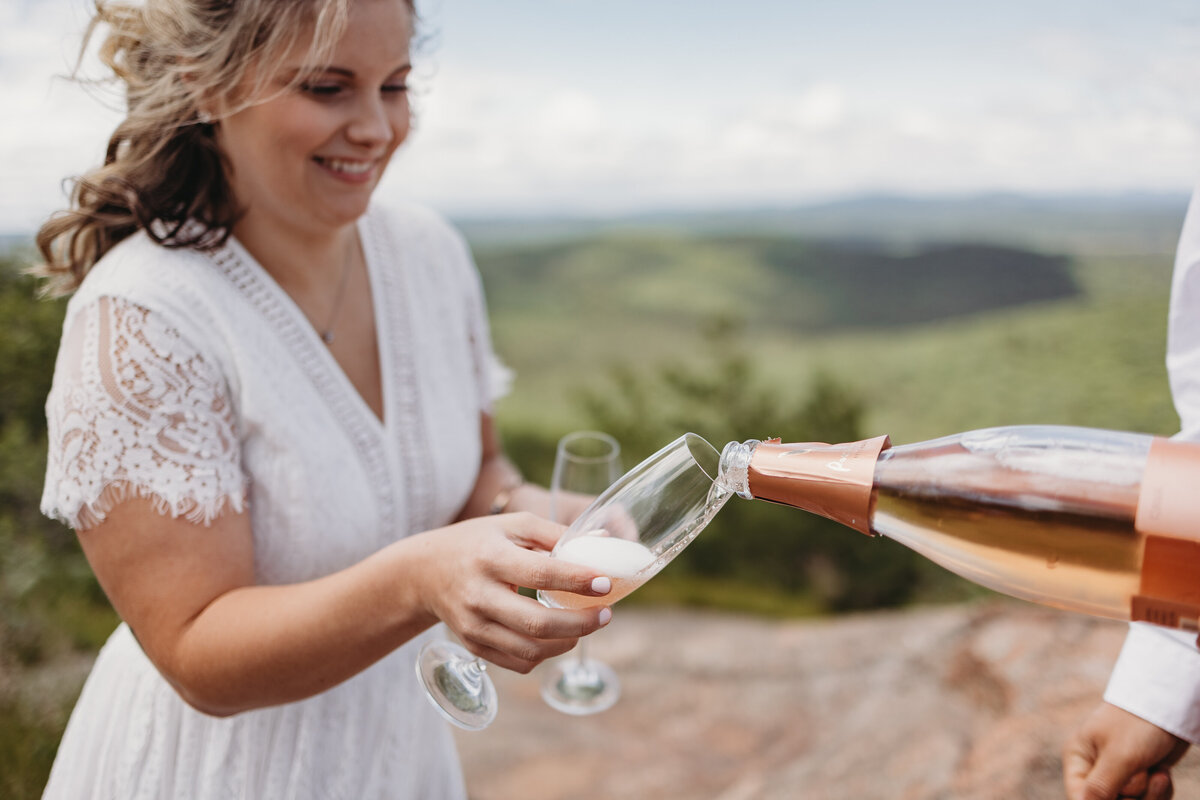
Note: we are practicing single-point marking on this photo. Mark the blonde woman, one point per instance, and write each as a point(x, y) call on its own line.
point(270, 421)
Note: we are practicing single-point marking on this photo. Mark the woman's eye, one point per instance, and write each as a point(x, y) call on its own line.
point(395, 87)
point(321, 89)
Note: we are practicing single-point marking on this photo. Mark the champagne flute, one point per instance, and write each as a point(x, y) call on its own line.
point(629, 533)
point(585, 464)
point(641, 522)
point(455, 680)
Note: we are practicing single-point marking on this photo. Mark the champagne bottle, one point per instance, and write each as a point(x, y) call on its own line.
point(1101, 522)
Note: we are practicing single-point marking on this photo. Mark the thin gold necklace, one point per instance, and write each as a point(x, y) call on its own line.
point(327, 332)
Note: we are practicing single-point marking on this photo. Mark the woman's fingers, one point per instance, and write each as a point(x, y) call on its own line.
point(527, 617)
point(529, 530)
point(536, 570)
point(526, 633)
point(517, 661)
point(539, 571)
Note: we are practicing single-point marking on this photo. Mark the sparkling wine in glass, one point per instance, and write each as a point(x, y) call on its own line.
point(585, 464)
point(641, 522)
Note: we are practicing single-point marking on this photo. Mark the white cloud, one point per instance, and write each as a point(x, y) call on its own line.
point(54, 128)
point(821, 108)
point(548, 145)
point(1053, 109)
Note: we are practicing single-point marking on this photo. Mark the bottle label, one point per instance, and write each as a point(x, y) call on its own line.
point(1168, 516)
point(834, 481)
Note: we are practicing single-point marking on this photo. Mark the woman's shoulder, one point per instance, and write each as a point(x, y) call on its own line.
point(140, 268)
point(178, 285)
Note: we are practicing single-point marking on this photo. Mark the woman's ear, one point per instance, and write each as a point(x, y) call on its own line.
point(206, 102)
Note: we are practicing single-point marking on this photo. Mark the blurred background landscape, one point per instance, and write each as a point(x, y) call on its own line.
point(816, 221)
point(915, 318)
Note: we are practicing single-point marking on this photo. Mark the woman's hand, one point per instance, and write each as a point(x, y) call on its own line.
point(1115, 754)
point(469, 579)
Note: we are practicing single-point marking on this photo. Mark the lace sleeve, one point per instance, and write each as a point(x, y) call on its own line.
point(135, 411)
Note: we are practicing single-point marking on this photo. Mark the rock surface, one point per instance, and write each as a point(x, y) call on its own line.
point(960, 703)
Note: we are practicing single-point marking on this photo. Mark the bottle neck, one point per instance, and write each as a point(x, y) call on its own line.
point(733, 472)
point(834, 481)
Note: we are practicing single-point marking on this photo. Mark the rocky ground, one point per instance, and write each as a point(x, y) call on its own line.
point(956, 703)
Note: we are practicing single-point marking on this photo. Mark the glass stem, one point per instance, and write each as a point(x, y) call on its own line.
point(473, 674)
point(582, 648)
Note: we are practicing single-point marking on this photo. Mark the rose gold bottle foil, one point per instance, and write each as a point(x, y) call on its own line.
point(1168, 515)
point(831, 480)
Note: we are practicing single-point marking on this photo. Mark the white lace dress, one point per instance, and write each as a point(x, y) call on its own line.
point(194, 380)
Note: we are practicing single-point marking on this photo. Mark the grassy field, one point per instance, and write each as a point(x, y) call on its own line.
point(1094, 359)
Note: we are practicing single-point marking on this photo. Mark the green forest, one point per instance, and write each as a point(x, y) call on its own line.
point(650, 331)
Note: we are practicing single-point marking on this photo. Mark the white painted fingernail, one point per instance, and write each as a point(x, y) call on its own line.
point(601, 585)
point(605, 615)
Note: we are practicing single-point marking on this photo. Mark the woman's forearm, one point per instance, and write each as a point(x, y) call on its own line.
point(499, 482)
point(259, 646)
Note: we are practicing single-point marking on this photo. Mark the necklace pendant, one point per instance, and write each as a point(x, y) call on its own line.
point(327, 337)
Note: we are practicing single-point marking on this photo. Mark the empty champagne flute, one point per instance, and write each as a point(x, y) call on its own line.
point(585, 464)
point(641, 522)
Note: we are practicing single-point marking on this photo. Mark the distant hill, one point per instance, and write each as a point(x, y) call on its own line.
point(1133, 222)
point(772, 281)
point(1129, 222)
point(867, 287)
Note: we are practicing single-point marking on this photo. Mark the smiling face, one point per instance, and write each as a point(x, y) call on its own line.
point(309, 157)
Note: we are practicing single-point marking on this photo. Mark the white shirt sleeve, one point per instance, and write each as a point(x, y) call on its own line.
point(1183, 325)
point(1157, 676)
point(135, 411)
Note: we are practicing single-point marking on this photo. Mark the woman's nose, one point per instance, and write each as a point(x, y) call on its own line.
point(372, 123)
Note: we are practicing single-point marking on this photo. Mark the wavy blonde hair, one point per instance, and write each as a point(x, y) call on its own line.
point(162, 171)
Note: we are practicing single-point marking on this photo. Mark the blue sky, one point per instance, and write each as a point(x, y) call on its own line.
point(627, 105)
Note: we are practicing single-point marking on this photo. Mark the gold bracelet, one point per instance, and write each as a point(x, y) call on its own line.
point(504, 497)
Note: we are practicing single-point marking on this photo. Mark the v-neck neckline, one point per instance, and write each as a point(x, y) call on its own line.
point(304, 340)
point(391, 445)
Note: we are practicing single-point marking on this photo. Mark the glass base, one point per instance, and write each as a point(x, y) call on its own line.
point(457, 685)
point(581, 687)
